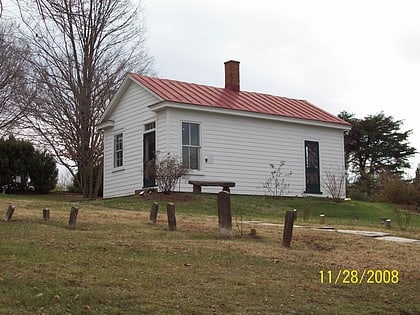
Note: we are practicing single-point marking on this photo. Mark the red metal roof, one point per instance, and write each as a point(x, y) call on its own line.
point(202, 95)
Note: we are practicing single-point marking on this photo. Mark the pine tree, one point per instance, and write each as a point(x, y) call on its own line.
point(375, 145)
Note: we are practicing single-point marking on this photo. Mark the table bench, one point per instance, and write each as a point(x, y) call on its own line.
point(197, 184)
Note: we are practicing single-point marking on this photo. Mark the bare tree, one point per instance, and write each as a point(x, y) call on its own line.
point(13, 78)
point(82, 51)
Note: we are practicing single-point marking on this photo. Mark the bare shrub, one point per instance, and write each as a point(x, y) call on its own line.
point(275, 183)
point(403, 218)
point(335, 183)
point(395, 190)
point(169, 171)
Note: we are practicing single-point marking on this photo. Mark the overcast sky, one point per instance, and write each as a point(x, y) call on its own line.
point(359, 56)
point(362, 56)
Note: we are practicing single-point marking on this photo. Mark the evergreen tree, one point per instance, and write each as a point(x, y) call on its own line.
point(43, 172)
point(375, 145)
point(20, 162)
point(15, 158)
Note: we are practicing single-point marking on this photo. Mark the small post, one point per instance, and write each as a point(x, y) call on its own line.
point(321, 218)
point(46, 215)
point(295, 214)
point(9, 213)
point(73, 217)
point(288, 228)
point(153, 213)
point(225, 214)
point(196, 189)
point(170, 210)
point(388, 223)
point(253, 233)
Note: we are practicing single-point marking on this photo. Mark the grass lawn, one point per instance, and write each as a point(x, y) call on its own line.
point(114, 262)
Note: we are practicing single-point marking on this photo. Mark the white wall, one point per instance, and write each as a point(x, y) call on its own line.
point(240, 149)
point(129, 118)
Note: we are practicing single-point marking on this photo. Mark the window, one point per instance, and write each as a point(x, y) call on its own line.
point(118, 150)
point(191, 145)
point(313, 185)
point(149, 126)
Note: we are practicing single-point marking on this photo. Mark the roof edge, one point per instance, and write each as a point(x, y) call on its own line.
point(210, 109)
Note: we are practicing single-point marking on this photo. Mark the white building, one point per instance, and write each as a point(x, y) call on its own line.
point(222, 134)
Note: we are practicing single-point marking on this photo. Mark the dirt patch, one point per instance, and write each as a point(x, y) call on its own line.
point(316, 245)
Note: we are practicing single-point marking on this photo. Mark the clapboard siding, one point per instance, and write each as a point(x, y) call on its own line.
point(161, 133)
point(241, 149)
point(129, 118)
point(238, 149)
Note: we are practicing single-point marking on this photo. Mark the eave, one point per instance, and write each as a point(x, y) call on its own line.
point(162, 105)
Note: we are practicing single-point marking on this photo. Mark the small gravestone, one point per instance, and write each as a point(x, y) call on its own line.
point(73, 217)
point(288, 228)
point(225, 214)
point(170, 210)
point(253, 233)
point(9, 213)
point(46, 215)
point(154, 213)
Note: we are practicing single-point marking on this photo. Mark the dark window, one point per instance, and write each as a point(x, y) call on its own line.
point(150, 126)
point(313, 184)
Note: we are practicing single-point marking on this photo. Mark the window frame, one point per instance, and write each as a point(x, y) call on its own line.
point(118, 150)
point(190, 145)
point(314, 170)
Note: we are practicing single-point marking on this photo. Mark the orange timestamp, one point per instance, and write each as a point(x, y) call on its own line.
point(354, 276)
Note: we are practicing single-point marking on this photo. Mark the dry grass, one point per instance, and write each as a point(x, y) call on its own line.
point(116, 263)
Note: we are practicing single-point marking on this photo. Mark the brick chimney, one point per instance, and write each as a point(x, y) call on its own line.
point(232, 75)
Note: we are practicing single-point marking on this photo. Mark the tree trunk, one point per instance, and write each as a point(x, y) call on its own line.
point(99, 178)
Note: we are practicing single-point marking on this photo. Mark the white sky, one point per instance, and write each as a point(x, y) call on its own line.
point(362, 56)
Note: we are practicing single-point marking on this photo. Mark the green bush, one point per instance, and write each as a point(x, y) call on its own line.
point(43, 172)
point(356, 194)
point(22, 167)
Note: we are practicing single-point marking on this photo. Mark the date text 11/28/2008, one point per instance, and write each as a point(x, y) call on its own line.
point(353, 276)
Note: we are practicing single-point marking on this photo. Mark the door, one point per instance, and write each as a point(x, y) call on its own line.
point(313, 185)
point(149, 155)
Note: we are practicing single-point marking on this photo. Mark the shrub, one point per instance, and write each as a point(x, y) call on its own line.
point(275, 183)
point(334, 183)
point(403, 218)
point(43, 172)
point(395, 190)
point(356, 194)
point(169, 171)
point(19, 162)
